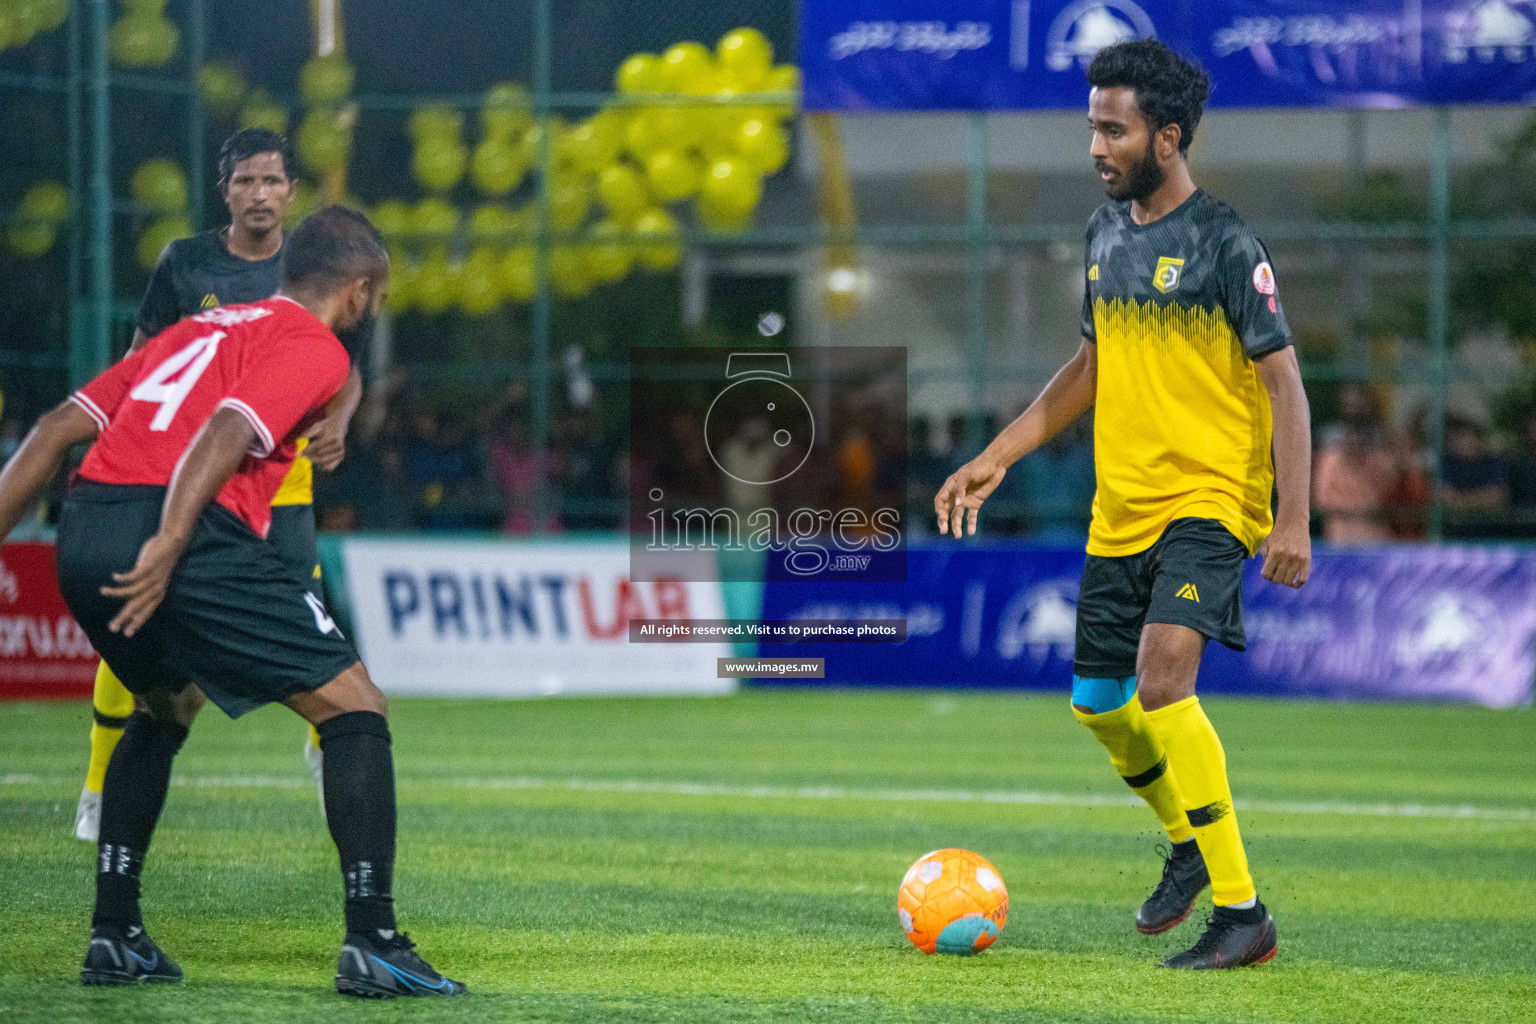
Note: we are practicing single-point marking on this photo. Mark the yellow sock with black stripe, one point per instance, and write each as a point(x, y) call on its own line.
point(111, 704)
point(1197, 758)
point(1138, 756)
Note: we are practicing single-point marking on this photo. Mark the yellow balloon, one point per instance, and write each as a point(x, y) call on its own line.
point(498, 167)
point(403, 276)
point(159, 184)
point(222, 88)
point(439, 163)
point(568, 271)
point(51, 14)
point(784, 78)
point(488, 222)
point(683, 65)
point(480, 282)
point(45, 201)
point(260, 111)
point(641, 135)
point(434, 217)
point(592, 145)
point(142, 41)
point(435, 121)
point(326, 79)
point(722, 218)
point(679, 127)
point(658, 248)
point(532, 139)
point(640, 73)
point(507, 113)
point(746, 53)
point(159, 235)
point(518, 273)
point(568, 205)
point(31, 240)
point(730, 188)
point(762, 144)
point(323, 143)
point(623, 191)
point(608, 256)
point(672, 175)
point(436, 283)
point(392, 217)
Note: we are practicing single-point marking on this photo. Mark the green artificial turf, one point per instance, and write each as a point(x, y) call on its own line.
point(736, 859)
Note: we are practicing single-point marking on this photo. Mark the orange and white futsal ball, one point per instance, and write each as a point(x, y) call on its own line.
point(952, 901)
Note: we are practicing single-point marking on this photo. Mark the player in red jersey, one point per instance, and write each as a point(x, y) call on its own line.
point(162, 561)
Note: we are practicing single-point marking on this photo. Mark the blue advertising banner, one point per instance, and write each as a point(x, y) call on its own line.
point(1437, 623)
point(1033, 54)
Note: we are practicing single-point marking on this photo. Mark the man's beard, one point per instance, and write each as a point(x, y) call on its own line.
point(356, 337)
point(1144, 178)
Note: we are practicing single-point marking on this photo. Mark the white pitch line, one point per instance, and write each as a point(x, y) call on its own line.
point(949, 796)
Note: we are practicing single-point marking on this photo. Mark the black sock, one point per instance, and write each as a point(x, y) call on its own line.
point(359, 776)
point(131, 798)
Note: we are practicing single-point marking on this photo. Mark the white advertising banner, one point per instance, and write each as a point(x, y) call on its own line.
point(515, 618)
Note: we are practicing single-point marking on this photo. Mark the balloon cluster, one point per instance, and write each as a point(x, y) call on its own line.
point(43, 208)
point(143, 37)
point(324, 140)
point(685, 127)
point(159, 187)
point(21, 20)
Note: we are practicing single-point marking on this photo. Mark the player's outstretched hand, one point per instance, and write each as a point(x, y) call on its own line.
point(964, 491)
point(1287, 553)
point(328, 443)
point(143, 587)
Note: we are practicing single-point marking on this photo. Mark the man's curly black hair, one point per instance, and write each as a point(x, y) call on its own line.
point(1169, 89)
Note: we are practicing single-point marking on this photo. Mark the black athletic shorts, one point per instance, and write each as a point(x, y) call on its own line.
point(1192, 576)
point(293, 534)
point(236, 619)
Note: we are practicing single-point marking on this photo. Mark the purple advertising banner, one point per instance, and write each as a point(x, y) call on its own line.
point(1429, 623)
point(1032, 54)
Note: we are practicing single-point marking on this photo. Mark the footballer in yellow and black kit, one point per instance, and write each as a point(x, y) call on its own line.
point(1178, 309)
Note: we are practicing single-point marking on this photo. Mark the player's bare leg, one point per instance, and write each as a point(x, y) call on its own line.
point(121, 951)
point(377, 960)
point(1240, 931)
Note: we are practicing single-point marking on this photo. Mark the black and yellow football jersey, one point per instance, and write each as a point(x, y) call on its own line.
point(1179, 309)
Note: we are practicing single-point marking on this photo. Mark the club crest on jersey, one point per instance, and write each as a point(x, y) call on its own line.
point(210, 301)
point(1166, 277)
point(1264, 278)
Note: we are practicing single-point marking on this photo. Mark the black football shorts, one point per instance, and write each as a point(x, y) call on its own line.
point(237, 619)
point(1192, 576)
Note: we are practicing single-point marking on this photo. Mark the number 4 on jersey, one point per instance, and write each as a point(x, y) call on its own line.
point(161, 389)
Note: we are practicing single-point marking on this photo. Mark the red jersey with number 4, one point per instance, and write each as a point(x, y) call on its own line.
point(273, 362)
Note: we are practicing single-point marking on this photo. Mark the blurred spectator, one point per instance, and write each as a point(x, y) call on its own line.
point(1410, 501)
point(443, 470)
point(1472, 476)
point(1057, 482)
point(1522, 472)
point(515, 467)
point(1356, 478)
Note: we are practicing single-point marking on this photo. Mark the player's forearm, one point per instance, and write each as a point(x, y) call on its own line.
point(36, 462)
point(1065, 398)
point(1292, 436)
point(213, 457)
